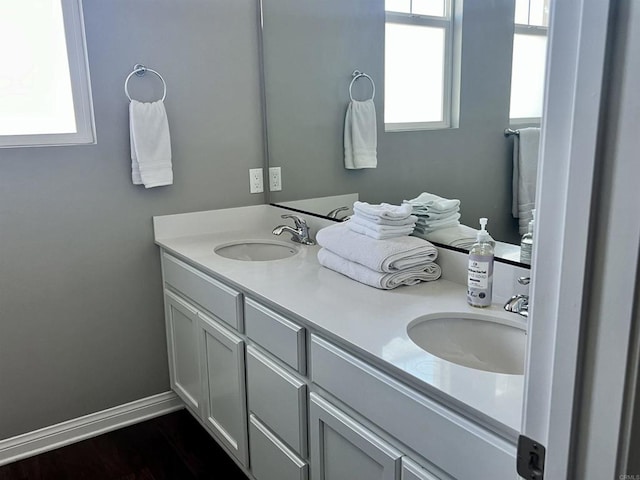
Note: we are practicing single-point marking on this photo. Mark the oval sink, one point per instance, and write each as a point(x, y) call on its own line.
point(474, 341)
point(256, 250)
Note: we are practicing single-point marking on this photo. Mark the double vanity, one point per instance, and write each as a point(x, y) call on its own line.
point(300, 372)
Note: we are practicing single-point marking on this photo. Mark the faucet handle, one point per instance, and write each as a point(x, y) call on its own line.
point(299, 221)
point(524, 280)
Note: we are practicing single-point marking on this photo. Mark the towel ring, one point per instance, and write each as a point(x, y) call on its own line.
point(356, 75)
point(139, 70)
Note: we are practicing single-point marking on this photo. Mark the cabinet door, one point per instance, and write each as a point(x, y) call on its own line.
point(225, 406)
point(412, 471)
point(182, 342)
point(342, 449)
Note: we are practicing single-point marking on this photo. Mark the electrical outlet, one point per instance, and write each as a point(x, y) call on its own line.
point(255, 180)
point(275, 179)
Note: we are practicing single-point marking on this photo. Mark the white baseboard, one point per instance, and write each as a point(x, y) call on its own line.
point(81, 428)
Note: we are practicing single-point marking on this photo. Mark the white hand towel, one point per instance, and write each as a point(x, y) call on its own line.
point(384, 281)
point(379, 232)
point(388, 255)
point(383, 210)
point(434, 203)
point(525, 171)
point(150, 144)
point(360, 135)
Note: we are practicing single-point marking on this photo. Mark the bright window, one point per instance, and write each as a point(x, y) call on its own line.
point(45, 96)
point(418, 64)
point(529, 61)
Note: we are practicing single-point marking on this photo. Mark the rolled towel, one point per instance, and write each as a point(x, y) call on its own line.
point(433, 202)
point(388, 255)
point(383, 210)
point(380, 232)
point(399, 222)
point(385, 281)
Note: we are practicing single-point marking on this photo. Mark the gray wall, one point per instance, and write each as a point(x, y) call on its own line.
point(81, 313)
point(307, 95)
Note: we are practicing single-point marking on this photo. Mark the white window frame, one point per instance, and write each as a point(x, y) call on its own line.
point(80, 86)
point(521, 29)
point(445, 22)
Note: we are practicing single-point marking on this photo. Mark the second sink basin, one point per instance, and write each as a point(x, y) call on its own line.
point(474, 341)
point(256, 250)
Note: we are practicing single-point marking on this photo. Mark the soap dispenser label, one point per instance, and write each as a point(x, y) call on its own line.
point(479, 273)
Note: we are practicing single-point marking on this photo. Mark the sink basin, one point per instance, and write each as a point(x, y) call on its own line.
point(256, 250)
point(475, 341)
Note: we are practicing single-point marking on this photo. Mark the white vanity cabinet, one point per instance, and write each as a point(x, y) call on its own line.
point(290, 402)
point(206, 353)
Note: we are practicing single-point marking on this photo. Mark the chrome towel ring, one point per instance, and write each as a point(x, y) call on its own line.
point(356, 75)
point(139, 70)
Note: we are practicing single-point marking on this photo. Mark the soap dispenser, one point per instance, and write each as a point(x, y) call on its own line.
point(526, 243)
point(480, 269)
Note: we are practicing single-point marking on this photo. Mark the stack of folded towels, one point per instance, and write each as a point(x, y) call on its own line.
point(376, 248)
point(433, 212)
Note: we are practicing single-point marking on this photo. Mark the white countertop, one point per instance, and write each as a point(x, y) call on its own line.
point(372, 321)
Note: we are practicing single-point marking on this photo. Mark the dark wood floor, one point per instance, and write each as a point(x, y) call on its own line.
point(171, 447)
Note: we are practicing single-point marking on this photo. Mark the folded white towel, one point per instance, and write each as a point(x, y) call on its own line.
point(360, 135)
point(379, 232)
point(525, 171)
point(150, 144)
point(383, 210)
point(388, 255)
point(384, 225)
point(434, 215)
point(433, 203)
point(461, 236)
point(400, 222)
point(448, 220)
point(385, 281)
point(421, 229)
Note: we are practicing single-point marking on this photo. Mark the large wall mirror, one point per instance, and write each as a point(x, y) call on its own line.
point(451, 77)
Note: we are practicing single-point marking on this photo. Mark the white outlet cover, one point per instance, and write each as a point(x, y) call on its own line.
point(256, 184)
point(275, 179)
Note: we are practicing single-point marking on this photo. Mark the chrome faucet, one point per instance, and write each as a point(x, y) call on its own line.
point(299, 234)
point(519, 303)
point(334, 213)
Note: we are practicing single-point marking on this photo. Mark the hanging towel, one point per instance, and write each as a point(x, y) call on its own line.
point(360, 135)
point(388, 255)
point(150, 144)
point(525, 171)
point(384, 281)
point(383, 210)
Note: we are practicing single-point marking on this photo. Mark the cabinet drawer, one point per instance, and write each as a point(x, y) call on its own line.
point(278, 399)
point(270, 459)
point(222, 301)
point(276, 334)
point(430, 429)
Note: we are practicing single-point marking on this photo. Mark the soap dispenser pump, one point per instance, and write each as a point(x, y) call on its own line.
point(526, 243)
point(480, 269)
